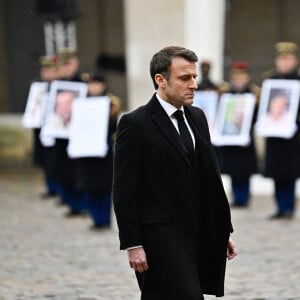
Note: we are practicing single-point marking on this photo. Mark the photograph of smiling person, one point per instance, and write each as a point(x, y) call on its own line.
point(278, 108)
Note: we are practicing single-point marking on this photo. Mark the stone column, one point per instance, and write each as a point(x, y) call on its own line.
point(205, 32)
point(151, 25)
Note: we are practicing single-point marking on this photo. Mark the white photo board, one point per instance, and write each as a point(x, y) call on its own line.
point(59, 111)
point(89, 127)
point(35, 109)
point(278, 108)
point(208, 102)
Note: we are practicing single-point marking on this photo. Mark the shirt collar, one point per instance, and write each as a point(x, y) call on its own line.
point(168, 108)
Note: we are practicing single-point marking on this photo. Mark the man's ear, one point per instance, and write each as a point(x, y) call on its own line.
point(160, 80)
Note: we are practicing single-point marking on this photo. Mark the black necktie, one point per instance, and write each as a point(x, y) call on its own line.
point(184, 132)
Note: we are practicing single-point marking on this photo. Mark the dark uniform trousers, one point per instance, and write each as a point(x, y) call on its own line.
point(176, 248)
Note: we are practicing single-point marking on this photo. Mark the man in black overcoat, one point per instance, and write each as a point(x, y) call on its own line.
point(171, 208)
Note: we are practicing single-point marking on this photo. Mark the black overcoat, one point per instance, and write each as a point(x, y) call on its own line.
point(152, 188)
point(282, 156)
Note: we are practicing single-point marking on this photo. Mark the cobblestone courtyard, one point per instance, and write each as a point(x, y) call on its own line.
point(45, 256)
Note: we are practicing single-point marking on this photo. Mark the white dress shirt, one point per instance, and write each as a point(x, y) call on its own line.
point(170, 109)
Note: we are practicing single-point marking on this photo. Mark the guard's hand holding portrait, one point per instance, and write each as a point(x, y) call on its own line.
point(172, 211)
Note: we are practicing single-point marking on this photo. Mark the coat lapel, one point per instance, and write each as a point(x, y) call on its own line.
point(203, 144)
point(199, 136)
point(163, 122)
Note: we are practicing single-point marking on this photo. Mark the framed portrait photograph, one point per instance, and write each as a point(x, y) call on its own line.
point(34, 113)
point(59, 110)
point(89, 127)
point(278, 108)
point(208, 102)
point(234, 119)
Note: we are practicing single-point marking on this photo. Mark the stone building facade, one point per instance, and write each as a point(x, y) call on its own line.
point(128, 32)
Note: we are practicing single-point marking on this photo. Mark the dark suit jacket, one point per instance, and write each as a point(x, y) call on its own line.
point(152, 188)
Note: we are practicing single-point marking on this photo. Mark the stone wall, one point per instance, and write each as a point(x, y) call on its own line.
point(15, 142)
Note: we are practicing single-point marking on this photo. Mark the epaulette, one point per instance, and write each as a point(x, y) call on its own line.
point(223, 87)
point(114, 99)
point(115, 104)
point(268, 74)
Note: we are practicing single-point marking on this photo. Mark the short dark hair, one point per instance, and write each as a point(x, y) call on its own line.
point(162, 60)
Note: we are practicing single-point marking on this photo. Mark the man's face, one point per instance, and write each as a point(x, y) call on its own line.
point(239, 81)
point(64, 102)
point(49, 73)
point(179, 89)
point(96, 88)
point(278, 106)
point(69, 68)
point(286, 63)
point(205, 70)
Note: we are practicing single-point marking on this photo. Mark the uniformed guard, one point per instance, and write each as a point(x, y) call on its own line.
point(240, 162)
point(282, 156)
point(69, 65)
point(64, 168)
point(94, 174)
point(206, 83)
point(44, 156)
point(49, 68)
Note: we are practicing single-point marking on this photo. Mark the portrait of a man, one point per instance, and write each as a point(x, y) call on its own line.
point(59, 112)
point(61, 116)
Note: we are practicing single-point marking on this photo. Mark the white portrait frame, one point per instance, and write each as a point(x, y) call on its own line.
point(285, 126)
point(232, 108)
point(208, 102)
point(50, 127)
point(35, 109)
point(89, 127)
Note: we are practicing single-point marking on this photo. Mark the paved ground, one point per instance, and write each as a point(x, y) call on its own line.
point(45, 256)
